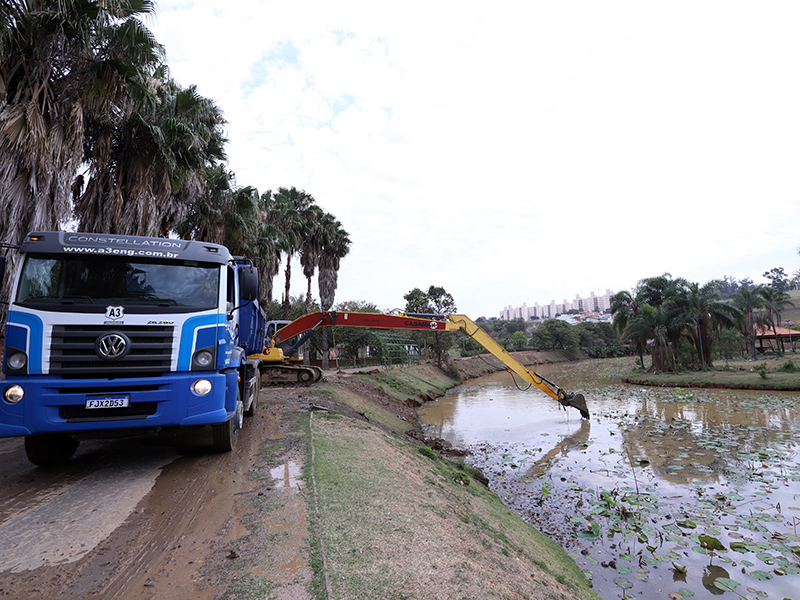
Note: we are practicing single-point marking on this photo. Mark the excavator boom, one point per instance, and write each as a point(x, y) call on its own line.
point(423, 322)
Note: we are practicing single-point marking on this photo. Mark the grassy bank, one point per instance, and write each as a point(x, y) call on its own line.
point(391, 519)
point(769, 373)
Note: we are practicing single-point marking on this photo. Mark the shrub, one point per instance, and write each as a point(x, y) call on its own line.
point(762, 370)
point(428, 451)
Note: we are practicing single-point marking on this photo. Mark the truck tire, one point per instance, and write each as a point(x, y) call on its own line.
point(256, 392)
point(50, 449)
point(225, 435)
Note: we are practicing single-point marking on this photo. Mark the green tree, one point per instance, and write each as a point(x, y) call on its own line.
point(205, 220)
point(624, 310)
point(289, 212)
point(705, 314)
point(749, 302)
point(265, 246)
point(435, 301)
point(519, 340)
point(311, 244)
point(651, 326)
point(352, 339)
point(600, 340)
point(62, 65)
point(555, 334)
point(511, 327)
point(778, 280)
point(335, 246)
point(774, 301)
point(148, 167)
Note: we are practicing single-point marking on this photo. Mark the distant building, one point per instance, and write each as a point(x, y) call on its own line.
point(590, 304)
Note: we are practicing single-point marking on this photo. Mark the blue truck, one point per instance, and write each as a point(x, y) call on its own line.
point(114, 335)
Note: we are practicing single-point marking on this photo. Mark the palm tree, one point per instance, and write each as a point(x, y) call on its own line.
point(704, 313)
point(336, 245)
point(749, 302)
point(206, 217)
point(289, 211)
point(774, 302)
point(660, 290)
point(266, 250)
point(624, 309)
point(311, 244)
point(148, 167)
point(652, 325)
point(62, 65)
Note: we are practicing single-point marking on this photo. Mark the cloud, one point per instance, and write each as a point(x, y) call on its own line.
point(517, 152)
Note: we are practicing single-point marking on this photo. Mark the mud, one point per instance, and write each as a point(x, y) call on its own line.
point(138, 520)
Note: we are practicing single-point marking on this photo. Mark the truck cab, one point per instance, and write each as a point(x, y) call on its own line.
point(112, 335)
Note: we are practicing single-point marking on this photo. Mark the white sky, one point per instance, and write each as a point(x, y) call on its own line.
point(514, 151)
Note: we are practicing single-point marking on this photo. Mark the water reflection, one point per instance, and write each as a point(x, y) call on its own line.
point(632, 491)
point(577, 440)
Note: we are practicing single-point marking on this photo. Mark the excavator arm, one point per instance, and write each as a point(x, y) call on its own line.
point(469, 327)
point(422, 322)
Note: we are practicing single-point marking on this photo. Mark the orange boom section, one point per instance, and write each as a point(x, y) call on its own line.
point(281, 347)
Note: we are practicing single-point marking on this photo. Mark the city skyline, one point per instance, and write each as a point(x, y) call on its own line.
point(590, 303)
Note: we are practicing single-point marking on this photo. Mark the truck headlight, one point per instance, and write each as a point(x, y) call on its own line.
point(13, 393)
point(202, 387)
point(203, 359)
point(17, 361)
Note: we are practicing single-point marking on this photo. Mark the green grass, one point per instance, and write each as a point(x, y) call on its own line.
point(792, 313)
point(767, 373)
point(396, 520)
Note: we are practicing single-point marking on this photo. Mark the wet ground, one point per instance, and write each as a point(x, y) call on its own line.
point(664, 493)
point(148, 519)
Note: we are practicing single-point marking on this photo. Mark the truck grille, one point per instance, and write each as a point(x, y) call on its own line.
point(73, 350)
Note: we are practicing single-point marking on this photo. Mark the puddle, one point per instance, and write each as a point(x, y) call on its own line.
point(663, 493)
point(287, 475)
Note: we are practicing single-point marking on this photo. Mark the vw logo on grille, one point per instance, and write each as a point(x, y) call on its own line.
point(112, 346)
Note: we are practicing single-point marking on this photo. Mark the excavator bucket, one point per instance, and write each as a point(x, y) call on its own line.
point(579, 402)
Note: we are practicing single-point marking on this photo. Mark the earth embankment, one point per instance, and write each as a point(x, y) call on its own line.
point(331, 493)
point(392, 519)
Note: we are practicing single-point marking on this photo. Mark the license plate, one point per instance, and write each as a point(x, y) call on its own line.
point(108, 401)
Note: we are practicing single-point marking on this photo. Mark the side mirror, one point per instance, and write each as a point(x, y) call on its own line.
point(248, 283)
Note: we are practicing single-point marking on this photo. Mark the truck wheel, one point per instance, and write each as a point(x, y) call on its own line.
point(50, 449)
point(256, 392)
point(225, 435)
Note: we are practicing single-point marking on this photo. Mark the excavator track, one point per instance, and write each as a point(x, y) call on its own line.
point(283, 374)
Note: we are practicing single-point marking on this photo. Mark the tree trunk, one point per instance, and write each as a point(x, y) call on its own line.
point(777, 339)
point(325, 351)
point(286, 303)
point(307, 345)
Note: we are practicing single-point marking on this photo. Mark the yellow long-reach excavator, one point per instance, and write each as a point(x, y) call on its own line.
point(281, 361)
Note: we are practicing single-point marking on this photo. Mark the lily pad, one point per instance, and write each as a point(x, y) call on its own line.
point(712, 543)
point(725, 584)
point(623, 583)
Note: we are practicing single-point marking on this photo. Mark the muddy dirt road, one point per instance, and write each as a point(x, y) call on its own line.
point(142, 519)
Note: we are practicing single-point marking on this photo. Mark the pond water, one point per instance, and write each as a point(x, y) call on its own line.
point(663, 493)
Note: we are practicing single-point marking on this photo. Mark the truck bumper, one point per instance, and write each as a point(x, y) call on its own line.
point(53, 404)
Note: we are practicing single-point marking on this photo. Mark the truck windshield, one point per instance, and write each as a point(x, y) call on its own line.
point(65, 280)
